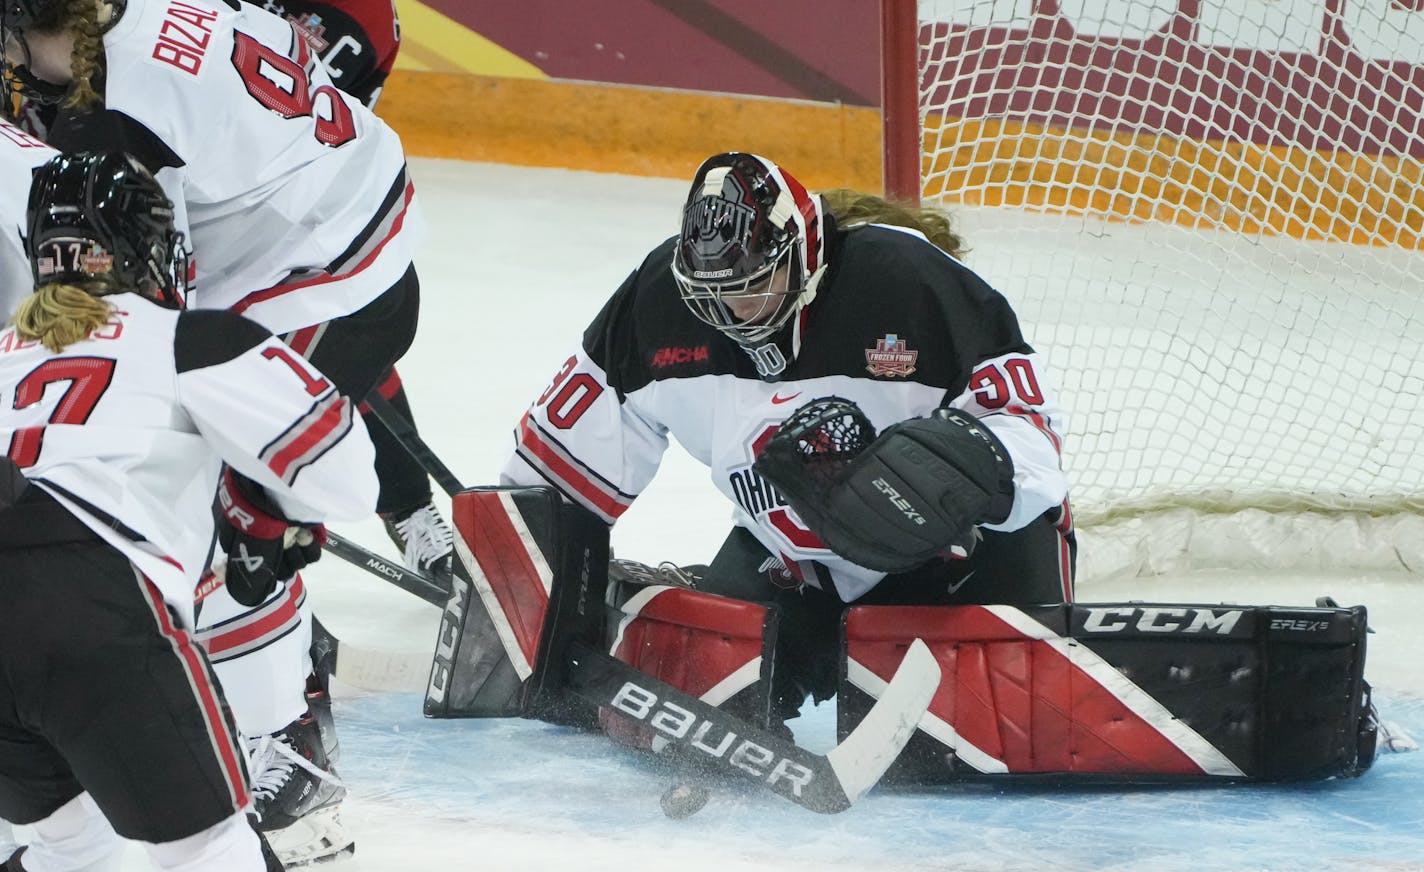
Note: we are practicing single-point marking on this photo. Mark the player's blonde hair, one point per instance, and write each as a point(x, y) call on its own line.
point(85, 20)
point(858, 207)
point(60, 315)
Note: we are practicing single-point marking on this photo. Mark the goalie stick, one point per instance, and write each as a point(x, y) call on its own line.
point(826, 783)
point(823, 783)
point(706, 734)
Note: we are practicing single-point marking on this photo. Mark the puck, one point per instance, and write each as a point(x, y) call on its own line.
point(683, 800)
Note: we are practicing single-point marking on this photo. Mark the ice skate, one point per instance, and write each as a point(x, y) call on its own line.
point(426, 542)
point(298, 795)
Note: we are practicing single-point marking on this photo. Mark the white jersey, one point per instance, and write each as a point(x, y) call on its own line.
point(295, 196)
point(899, 328)
point(134, 423)
point(20, 153)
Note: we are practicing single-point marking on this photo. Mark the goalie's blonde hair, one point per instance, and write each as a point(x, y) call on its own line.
point(59, 315)
point(857, 207)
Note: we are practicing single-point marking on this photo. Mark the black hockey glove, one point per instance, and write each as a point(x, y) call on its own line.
point(894, 502)
point(262, 546)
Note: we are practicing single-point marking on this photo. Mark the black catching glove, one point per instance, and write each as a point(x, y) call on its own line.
point(894, 502)
point(262, 546)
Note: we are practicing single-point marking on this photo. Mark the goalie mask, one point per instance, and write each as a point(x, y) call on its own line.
point(750, 253)
point(97, 217)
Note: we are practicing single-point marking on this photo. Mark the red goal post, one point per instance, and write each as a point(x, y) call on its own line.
point(1209, 215)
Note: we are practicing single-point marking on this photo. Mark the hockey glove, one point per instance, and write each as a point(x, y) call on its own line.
point(262, 546)
point(893, 502)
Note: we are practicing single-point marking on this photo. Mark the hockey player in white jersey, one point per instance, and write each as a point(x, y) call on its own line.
point(123, 409)
point(296, 197)
point(775, 309)
point(20, 153)
point(301, 216)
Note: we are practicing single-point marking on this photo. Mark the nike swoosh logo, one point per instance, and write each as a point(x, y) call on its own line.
point(777, 399)
point(954, 588)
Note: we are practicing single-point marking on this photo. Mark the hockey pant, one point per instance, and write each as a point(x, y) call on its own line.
point(357, 352)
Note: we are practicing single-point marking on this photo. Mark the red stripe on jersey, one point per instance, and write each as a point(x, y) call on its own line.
point(272, 621)
point(482, 520)
point(1016, 698)
point(300, 444)
point(1039, 421)
point(200, 679)
point(1065, 518)
point(301, 340)
point(272, 293)
point(575, 480)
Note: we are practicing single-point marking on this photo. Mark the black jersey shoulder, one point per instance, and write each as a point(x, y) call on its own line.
point(891, 307)
point(110, 130)
point(645, 333)
point(895, 307)
point(208, 337)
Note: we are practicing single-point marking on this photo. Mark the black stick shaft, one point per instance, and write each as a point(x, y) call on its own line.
point(405, 579)
point(404, 431)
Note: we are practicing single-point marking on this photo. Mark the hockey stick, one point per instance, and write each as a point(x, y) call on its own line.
point(366, 668)
point(407, 580)
point(826, 783)
point(823, 783)
point(714, 738)
point(404, 432)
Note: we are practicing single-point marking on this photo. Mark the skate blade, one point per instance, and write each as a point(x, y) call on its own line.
point(315, 838)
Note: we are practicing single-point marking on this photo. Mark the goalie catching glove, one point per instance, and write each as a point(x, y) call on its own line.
point(262, 546)
point(894, 502)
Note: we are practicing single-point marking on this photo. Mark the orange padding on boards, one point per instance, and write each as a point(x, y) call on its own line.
point(623, 129)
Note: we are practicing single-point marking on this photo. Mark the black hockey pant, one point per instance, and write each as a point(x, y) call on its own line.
point(358, 353)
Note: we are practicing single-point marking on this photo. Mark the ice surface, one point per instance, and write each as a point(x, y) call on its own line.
point(517, 262)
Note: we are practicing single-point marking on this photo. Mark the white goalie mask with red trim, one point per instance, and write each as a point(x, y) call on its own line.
point(752, 249)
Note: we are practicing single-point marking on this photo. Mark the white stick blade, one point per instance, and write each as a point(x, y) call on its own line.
point(873, 745)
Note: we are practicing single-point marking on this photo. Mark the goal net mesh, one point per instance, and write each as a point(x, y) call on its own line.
point(1208, 215)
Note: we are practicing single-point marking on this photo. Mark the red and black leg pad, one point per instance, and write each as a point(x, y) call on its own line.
point(713, 647)
point(530, 576)
point(1122, 691)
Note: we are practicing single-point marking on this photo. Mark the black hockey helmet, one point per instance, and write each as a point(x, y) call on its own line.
point(749, 229)
point(101, 217)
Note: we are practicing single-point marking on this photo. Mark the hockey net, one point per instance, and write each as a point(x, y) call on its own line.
point(1209, 217)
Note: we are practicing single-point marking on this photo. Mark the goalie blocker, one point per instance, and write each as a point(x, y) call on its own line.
point(1127, 691)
